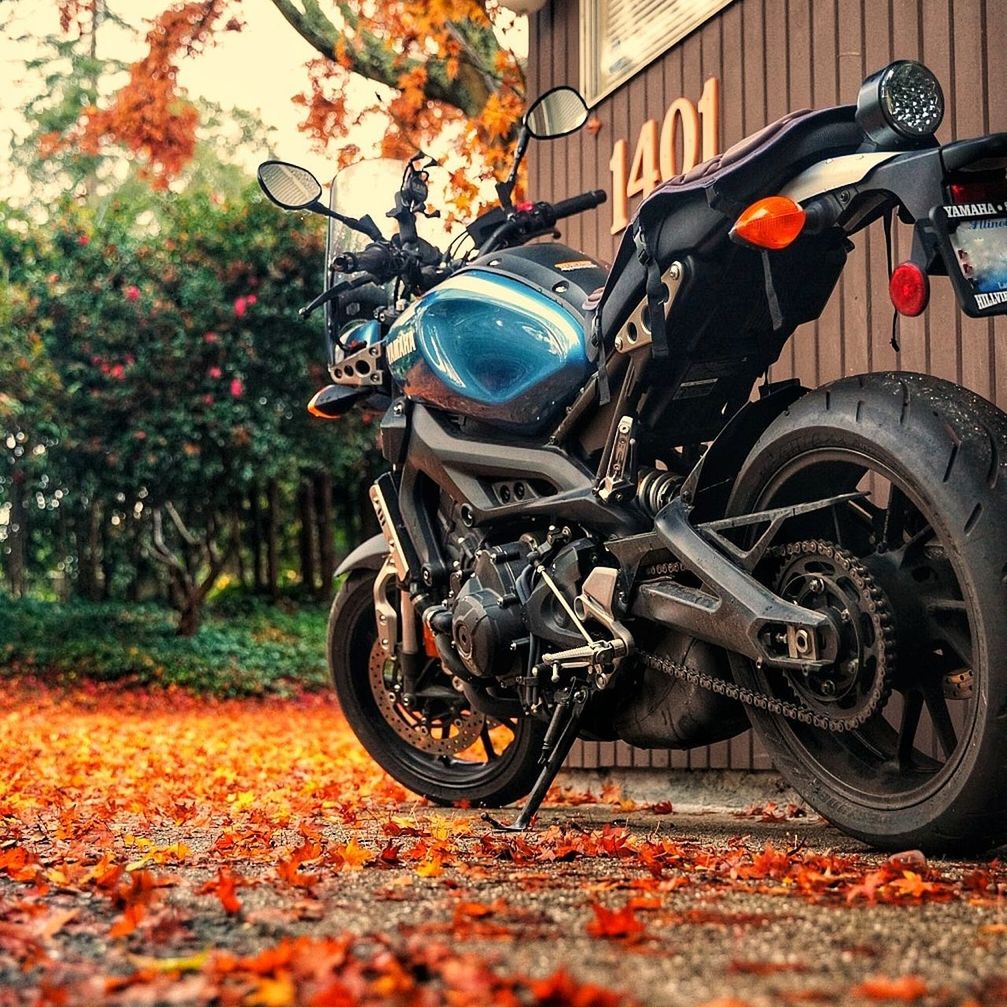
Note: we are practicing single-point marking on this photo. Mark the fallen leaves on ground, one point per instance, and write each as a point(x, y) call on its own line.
point(904, 988)
point(160, 847)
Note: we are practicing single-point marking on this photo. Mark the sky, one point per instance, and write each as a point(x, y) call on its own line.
point(260, 69)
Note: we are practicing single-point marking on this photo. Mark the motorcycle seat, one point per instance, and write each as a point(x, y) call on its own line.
point(744, 147)
point(690, 212)
point(756, 164)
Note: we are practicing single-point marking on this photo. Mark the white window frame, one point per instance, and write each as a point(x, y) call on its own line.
point(593, 84)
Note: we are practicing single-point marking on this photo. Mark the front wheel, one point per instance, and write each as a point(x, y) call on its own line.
point(913, 577)
point(437, 747)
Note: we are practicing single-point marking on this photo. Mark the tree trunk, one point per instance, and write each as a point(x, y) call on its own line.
point(136, 558)
point(255, 512)
point(323, 485)
point(86, 533)
point(106, 562)
point(306, 506)
point(272, 534)
point(18, 536)
point(190, 617)
point(239, 555)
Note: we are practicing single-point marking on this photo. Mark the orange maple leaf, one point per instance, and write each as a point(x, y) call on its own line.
point(352, 856)
point(906, 988)
point(225, 888)
point(614, 923)
point(561, 990)
point(127, 923)
point(913, 885)
point(432, 866)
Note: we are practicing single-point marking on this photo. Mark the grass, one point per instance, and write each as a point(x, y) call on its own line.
point(244, 647)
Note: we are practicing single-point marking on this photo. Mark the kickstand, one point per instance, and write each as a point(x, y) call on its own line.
point(559, 739)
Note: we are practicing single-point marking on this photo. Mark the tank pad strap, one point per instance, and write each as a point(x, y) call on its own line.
point(604, 391)
point(657, 292)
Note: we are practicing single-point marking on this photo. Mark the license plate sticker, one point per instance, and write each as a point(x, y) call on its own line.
point(975, 252)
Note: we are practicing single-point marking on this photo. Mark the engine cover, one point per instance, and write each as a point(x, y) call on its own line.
point(488, 616)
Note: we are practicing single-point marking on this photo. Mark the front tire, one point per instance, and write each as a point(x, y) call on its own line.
point(933, 538)
point(500, 765)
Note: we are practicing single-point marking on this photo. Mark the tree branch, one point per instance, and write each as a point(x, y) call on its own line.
point(161, 551)
point(371, 58)
point(179, 524)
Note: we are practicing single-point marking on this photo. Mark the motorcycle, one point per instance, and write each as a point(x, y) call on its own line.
point(591, 527)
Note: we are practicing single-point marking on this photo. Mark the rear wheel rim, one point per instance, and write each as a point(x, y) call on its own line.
point(885, 764)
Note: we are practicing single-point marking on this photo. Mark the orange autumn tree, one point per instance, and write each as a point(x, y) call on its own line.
point(442, 59)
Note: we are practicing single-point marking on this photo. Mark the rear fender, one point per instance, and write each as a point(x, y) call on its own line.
point(708, 486)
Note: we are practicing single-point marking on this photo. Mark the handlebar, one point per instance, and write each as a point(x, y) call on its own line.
point(380, 262)
point(578, 204)
point(375, 259)
point(541, 218)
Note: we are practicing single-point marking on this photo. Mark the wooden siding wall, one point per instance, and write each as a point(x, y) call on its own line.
point(773, 56)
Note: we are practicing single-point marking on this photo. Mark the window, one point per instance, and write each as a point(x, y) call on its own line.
point(620, 37)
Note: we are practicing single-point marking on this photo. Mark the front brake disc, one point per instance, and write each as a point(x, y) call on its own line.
point(454, 733)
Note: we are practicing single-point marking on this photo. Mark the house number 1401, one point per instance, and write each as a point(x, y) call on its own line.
point(656, 156)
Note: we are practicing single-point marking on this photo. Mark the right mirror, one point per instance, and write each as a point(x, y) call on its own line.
point(556, 113)
point(289, 185)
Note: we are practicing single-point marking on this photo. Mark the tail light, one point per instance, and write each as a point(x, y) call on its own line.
point(978, 187)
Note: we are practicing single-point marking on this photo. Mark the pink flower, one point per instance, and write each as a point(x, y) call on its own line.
point(214, 372)
point(118, 372)
point(240, 307)
point(207, 400)
point(251, 299)
point(237, 387)
point(132, 293)
point(211, 337)
point(83, 240)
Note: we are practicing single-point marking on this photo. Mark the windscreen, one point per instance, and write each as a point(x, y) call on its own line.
point(367, 187)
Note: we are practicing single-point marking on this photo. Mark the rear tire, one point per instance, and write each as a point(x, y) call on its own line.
point(447, 779)
point(938, 454)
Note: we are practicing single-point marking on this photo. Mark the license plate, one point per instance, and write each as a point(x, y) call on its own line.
point(974, 244)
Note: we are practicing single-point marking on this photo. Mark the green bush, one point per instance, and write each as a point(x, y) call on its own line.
point(245, 647)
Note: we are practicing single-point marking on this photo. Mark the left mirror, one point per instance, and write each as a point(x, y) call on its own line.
point(556, 113)
point(288, 185)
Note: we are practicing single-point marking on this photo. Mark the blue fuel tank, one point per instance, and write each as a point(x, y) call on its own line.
point(502, 341)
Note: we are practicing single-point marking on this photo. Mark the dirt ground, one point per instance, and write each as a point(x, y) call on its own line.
point(159, 850)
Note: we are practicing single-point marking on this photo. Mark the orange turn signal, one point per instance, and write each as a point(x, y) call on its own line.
point(773, 222)
point(316, 409)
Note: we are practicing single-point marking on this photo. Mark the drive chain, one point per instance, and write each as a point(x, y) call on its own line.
point(873, 602)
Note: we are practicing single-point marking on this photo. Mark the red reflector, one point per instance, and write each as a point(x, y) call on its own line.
point(909, 289)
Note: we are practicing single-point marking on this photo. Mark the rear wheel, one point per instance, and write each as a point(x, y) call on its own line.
point(913, 578)
point(437, 747)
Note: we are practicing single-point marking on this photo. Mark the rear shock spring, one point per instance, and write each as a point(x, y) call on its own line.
point(656, 488)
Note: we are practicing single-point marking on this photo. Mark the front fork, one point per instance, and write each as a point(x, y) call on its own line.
point(397, 635)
